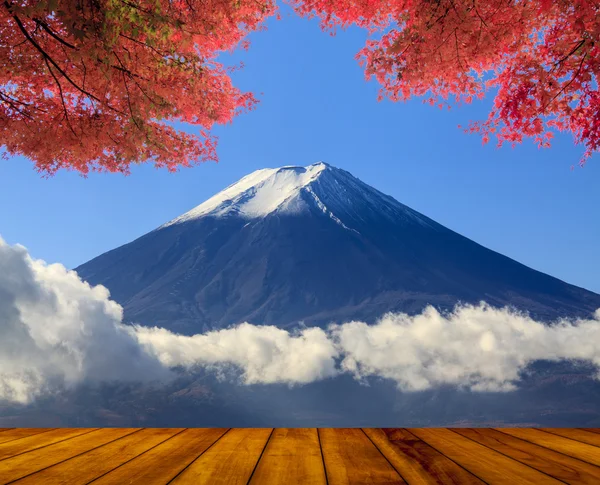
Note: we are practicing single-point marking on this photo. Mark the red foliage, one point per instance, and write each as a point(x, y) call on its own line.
point(542, 56)
point(96, 84)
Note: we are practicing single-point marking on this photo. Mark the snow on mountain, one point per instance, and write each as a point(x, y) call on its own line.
point(257, 194)
point(293, 189)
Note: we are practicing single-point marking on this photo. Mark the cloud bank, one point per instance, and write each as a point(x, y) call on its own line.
point(476, 347)
point(266, 354)
point(57, 331)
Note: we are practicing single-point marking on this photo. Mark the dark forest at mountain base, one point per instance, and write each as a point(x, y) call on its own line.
point(549, 394)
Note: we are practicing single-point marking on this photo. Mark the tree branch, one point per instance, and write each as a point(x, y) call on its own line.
point(543, 109)
point(9, 101)
point(49, 59)
point(570, 53)
point(162, 55)
point(62, 98)
point(44, 26)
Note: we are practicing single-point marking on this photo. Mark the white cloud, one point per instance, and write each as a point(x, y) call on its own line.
point(476, 347)
point(56, 330)
point(266, 354)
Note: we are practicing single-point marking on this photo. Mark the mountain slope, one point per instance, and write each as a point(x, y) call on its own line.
point(312, 244)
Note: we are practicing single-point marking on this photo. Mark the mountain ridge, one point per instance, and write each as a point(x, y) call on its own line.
point(278, 190)
point(314, 245)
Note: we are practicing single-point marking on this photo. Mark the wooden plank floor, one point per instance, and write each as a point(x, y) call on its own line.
point(283, 456)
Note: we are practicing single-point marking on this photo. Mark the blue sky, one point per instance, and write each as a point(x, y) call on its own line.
point(316, 105)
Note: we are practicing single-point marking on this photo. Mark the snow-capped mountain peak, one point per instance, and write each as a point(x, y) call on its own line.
point(294, 189)
point(315, 245)
point(258, 193)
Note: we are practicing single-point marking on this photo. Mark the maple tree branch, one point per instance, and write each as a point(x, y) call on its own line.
point(19, 44)
point(127, 71)
point(543, 109)
point(484, 22)
point(49, 59)
point(110, 136)
point(44, 26)
point(190, 5)
point(135, 121)
point(137, 7)
point(62, 99)
point(45, 54)
point(456, 11)
point(162, 55)
point(14, 100)
point(124, 70)
point(7, 100)
point(429, 24)
point(157, 15)
point(570, 53)
point(129, 103)
point(11, 100)
point(441, 17)
point(456, 44)
point(84, 74)
point(442, 43)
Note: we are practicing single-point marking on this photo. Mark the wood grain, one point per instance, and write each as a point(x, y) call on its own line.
point(161, 464)
point(556, 464)
point(576, 449)
point(489, 465)
point(24, 464)
point(18, 433)
point(231, 460)
point(293, 455)
point(422, 456)
point(33, 442)
point(88, 466)
point(416, 461)
point(351, 458)
point(576, 434)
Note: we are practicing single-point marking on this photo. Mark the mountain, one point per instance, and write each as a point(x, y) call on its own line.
point(313, 244)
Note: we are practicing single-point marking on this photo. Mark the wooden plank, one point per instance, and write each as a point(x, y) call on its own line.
point(576, 434)
point(18, 433)
point(351, 458)
point(592, 430)
point(576, 449)
point(161, 464)
point(231, 460)
point(556, 464)
point(293, 455)
point(416, 461)
point(84, 468)
point(32, 442)
point(26, 463)
point(489, 465)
